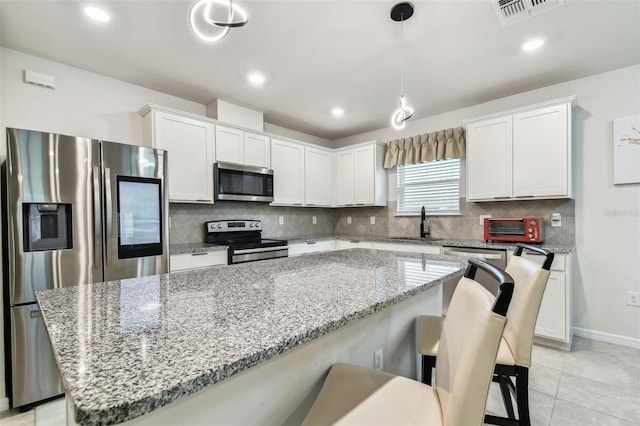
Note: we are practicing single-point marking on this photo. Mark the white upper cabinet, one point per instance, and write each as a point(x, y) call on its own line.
point(541, 152)
point(521, 154)
point(345, 174)
point(489, 163)
point(240, 147)
point(318, 173)
point(190, 145)
point(360, 176)
point(287, 160)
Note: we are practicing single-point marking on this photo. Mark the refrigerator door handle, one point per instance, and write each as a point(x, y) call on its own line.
point(97, 232)
point(108, 214)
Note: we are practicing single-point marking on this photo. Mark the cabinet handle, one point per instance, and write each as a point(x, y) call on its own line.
point(524, 196)
point(203, 201)
point(501, 198)
point(311, 242)
point(201, 253)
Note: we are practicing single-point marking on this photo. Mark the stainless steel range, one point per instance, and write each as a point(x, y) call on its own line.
point(244, 238)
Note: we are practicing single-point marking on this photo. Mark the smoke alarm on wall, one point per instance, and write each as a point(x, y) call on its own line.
point(39, 79)
point(510, 11)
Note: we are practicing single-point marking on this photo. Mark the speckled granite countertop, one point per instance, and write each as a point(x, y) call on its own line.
point(128, 347)
point(194, 248)
point(426, 241)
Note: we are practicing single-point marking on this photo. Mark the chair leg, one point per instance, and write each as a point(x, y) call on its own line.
point(428, 363)
point(506, 396)
point(522, 395)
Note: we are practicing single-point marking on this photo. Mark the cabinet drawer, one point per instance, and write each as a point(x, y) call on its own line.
point(412, 248)
point(180, 262)
point(311, 247)
point(342, 245)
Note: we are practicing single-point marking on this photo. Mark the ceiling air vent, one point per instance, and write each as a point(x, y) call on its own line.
point(510, 11)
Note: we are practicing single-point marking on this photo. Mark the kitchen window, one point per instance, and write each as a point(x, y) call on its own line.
point(434, 185)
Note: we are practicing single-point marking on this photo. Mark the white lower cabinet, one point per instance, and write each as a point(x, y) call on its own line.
point(343, 244)
point(412, 248)
point(312, 246)
point(205, 259)
point(554, 317)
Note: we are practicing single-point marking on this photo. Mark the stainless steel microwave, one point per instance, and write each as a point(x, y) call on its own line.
point(242, 183)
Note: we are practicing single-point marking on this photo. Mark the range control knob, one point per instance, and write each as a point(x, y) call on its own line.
point(251, 225)
point(219, 225)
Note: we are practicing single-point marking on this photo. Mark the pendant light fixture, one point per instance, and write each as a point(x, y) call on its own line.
point(400, 13)
point(211, 19)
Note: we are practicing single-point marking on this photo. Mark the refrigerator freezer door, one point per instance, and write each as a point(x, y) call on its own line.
point(53, 212)
point(136, 208)
point(35, 375)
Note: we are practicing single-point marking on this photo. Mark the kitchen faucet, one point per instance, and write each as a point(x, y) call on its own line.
point(423, 217)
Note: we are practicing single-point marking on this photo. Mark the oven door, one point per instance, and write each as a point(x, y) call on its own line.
point(242, 183)
point(240, 255)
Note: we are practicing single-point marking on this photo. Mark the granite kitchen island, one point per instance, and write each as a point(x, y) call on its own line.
point(241, 344)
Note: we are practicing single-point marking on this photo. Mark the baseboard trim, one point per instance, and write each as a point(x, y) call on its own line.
point(4, 404)
point(607, 337)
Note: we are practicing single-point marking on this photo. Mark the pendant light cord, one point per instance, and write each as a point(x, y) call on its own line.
point(401, 58)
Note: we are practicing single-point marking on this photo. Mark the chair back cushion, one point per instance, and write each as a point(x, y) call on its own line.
point(530, 281)
point(467, 353)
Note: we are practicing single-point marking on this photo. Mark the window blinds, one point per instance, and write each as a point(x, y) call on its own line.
point(434, 185)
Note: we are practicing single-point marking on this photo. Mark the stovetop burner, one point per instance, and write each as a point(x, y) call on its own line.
point(244, 238)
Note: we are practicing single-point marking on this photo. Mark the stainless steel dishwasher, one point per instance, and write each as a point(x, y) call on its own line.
point(496, 257)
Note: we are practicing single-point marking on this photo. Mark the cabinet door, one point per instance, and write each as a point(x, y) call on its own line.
point(317, 171)
point(489, 161)
point(229, 145)
point(552, 316)
point(345, 178)
point(364, 175)
point(190, 144)
point(541, 152)
point(257, 150)
point(287, 160)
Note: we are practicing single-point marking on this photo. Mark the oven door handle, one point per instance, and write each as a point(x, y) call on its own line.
point(260, 250)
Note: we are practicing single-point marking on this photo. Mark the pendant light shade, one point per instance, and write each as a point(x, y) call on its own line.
point(211, 19)
point(400, 13)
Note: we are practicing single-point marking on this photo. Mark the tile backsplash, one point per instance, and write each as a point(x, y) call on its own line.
point(466, 226)
point(187, 220)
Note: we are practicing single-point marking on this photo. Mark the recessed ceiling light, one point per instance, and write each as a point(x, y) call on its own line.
point(533, 44)
point(256, 78)
point(97, 14)
point(337, 112)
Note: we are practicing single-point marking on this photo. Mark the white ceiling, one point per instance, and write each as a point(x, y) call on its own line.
point(320, 54)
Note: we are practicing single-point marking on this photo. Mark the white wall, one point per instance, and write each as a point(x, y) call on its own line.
point(607, 216)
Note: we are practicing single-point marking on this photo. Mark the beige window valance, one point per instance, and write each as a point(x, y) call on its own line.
point(440, 145)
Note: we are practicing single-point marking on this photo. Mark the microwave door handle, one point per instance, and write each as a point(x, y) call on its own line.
point(97, 228)
point(108, 213)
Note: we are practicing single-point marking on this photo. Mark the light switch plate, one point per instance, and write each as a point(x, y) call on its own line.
point(315, 220)
point(556, 219)
point(372, 220)
point(348, 220)
point(482, 217)
point(281, 220)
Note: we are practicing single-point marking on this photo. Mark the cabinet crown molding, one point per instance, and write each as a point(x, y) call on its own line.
point(561, 101)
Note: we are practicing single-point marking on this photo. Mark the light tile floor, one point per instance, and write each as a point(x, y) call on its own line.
point(596, 384)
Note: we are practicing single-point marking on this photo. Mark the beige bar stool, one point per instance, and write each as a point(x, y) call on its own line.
point(514, 354)
point(354, 395)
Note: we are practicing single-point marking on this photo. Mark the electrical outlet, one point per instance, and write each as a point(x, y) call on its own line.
point(378, 360)
point(348, 220)
point(633, 298)
point(556, 219)
point(372, 220)
point(315, 220)
point(482, 217)
point(281, 220)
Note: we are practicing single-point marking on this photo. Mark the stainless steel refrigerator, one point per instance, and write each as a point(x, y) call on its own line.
point(76, 211)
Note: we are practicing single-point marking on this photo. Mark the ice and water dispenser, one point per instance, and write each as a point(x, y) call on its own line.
point(46, 226)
